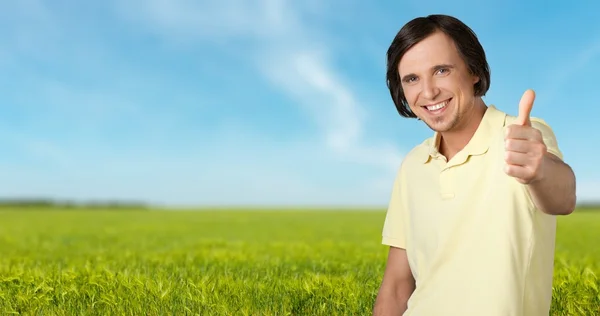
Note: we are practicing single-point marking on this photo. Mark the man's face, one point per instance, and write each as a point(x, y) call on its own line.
point(437, 83)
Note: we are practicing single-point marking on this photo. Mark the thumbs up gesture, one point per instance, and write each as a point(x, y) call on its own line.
point(524, 146)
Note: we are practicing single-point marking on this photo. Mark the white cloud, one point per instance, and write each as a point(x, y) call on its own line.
point(305, 77)
point(302, 68)
point(291, 55)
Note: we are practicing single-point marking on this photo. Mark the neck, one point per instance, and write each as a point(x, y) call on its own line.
point(453, 141)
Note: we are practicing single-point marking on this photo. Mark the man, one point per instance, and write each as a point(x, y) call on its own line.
point(471, 219)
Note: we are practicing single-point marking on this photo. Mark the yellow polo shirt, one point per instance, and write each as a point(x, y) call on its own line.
point(475, 242)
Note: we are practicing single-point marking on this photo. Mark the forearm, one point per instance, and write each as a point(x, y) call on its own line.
point(393, 301)
point(555, 193)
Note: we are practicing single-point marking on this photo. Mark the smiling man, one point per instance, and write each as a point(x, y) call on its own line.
point(472, 216)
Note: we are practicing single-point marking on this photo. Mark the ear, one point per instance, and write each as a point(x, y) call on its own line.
point(475, 79)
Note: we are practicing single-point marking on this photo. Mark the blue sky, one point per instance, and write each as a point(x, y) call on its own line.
point(264, 102)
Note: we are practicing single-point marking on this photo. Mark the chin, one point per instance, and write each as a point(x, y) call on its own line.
point(444, 126)
point(438, 128)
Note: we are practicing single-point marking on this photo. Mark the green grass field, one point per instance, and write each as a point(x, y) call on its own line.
point(229, 263)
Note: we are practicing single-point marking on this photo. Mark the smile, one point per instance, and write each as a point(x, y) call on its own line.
point(438, 106)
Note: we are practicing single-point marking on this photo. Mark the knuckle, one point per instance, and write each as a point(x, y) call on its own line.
point(540, 148)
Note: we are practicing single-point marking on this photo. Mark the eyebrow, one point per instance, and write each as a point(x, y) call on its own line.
point(433, 69)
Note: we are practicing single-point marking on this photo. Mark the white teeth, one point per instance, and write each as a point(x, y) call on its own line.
point(437, 106)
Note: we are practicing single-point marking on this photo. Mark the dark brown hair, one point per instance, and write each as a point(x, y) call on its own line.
point(418, 29)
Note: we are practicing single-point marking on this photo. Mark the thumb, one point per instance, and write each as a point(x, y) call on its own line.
point(525, 107)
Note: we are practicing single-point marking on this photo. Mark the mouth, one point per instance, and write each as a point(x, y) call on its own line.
point(437, 107)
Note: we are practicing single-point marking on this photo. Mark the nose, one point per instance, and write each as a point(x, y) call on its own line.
point(429, 89)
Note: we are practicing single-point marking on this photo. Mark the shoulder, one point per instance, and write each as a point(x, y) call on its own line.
point(414, 159)
point(419, 154)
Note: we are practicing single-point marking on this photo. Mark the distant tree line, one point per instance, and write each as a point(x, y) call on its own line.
point(53, 203)
point(589, 206)
point(40, 203)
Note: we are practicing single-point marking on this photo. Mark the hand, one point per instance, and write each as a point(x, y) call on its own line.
point(524, 146)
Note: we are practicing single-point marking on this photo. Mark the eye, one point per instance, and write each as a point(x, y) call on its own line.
point(443, 71)
point(410, 79)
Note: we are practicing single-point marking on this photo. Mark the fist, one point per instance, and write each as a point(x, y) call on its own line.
point(524, 146)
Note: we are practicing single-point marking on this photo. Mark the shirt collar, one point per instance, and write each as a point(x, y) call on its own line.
point(492, 121)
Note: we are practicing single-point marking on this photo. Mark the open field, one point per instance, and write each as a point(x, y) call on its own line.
point(229, 262)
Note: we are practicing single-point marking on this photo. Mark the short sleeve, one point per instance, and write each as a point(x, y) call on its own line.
point(548, 136)
point(394, 228)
